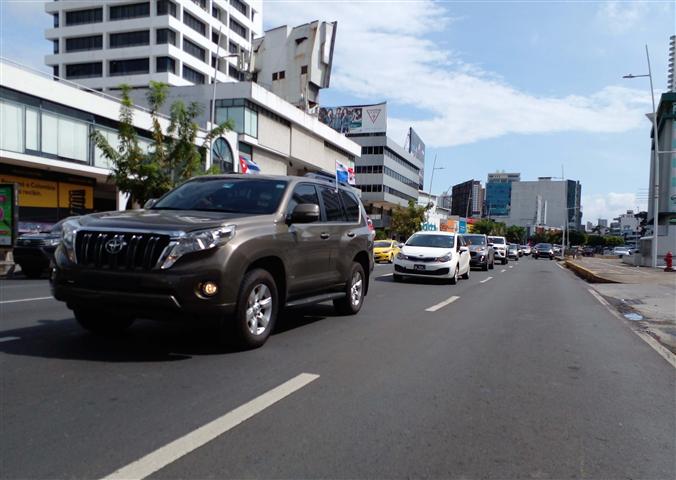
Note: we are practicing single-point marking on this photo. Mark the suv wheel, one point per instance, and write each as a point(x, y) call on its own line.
point(256, 312)
point(102, 323)
point(454, 278)
point(354, 290)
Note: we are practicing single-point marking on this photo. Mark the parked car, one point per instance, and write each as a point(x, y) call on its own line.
point(237, 248)
point(34, 252)
point(385, 250)
point(442, 255)
point(543, 250)
point(621, 251)
point(588, 251)
point(481, 253)
point(526, 249)
point(513, 251)
point(499, 244)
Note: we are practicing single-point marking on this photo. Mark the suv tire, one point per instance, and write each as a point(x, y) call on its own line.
point(102, 323)
point(354, 292)
point(454, 278)
point(465, 276)
point(256, 311)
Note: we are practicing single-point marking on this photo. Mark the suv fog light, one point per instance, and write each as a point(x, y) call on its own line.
point(209, 289)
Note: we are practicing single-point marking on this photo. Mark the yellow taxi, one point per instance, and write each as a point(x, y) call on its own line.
point(385, 250)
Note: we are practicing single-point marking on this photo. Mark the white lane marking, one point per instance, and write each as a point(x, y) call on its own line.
point(9, 339)
point(386, 275)
point(485, 280)
point(503, 270)
point(438, 306)
point(657, 346)
point(511, 266)
point(560, 266)
point(172, 451)
point(26, 300)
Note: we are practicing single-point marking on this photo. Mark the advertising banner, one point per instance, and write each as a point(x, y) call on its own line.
point(417, 148)
point(355, 119)
point(672, 185)
point(8, 214)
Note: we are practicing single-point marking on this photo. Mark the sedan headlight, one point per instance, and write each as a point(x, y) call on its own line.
point(68, 232)
point(444, 259)
point(401, 256)
point(197, 242)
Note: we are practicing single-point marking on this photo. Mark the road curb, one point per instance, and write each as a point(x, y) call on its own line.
point(588, 275)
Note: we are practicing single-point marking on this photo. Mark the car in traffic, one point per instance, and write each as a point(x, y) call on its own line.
point(235, 248)
point(481, 253)
point(513, 251)
point(385, 250)
point(543, 250)
point(425, 254)
point(526, 249)
point(621, 251)
point(499, 244)
point(34, 252)
point(587, 251)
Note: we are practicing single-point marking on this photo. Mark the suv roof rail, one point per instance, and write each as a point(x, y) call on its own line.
point(325, 176)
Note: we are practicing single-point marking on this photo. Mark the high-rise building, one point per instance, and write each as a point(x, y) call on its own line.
point(467, 199)
point(104, 43)
point(546, 202)
point(602, 222)
point(499, 193)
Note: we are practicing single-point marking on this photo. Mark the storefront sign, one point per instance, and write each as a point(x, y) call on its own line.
point(8, 214)
point(36, 192)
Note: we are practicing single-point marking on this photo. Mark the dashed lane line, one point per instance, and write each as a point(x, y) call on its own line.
point(485, 280)
point(511, 266)
point(172, 451)
point(560, 266)
point(26, 300)
point(503, 270)
point(441, 305)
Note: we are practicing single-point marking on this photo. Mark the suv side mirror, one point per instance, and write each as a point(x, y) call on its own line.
point(463, 249)
point(149, 204)
point(490, 244)
point(304, 213)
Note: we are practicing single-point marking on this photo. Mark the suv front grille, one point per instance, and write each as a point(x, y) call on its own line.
point(119, 250)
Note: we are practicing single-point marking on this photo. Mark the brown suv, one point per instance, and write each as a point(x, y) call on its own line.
point(234, 247)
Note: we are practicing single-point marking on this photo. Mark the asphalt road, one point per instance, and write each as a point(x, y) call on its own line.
point(525, 375)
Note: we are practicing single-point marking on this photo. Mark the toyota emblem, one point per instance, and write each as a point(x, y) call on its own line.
point(115, 245)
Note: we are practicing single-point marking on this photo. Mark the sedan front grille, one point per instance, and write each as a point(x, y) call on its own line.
point(119, 250)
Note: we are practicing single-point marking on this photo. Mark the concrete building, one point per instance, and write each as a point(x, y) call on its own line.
point(268, 131)
point(295, 63)
point(589, 227)
point(602, 222)
point(467, 199)
point(104, 43)
point(671, 79)
point(546, 202)
point(499, 193)
point(437, 215)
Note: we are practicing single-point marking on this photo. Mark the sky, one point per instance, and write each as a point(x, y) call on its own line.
point(529, 87)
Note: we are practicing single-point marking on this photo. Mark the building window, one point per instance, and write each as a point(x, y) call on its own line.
point(81, 17)
point(84, 70)
point(135, 66)
point(236, 27)
point(32, 129)
point(165, 7)
point(165, 64)
point(79, 44)
point(194, 50)
point(193, 75)
point(165, 35)
point(243, 116)
point(64, 137)
point(233, 47)
point(239, 6)
point(133, 10)
point(303, 70)
point(201, 3)
point(195, 24)
point(129, 39)
point(11, 127)
point(234, 73)
point(278, 75)
point(217, 13)
point(56, 20)
point(55, 70)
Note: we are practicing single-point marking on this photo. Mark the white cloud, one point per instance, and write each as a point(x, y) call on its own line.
point(609, 205)
point(620, 17)
point(384, 51)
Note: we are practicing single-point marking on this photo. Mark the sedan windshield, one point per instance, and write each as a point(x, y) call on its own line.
point(545, 246)
point(435, 241)
point(475, 239)
point(232, 195)
point(497, 240)
point(382, 245)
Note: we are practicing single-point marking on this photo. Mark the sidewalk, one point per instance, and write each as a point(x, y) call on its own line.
point(645, 296)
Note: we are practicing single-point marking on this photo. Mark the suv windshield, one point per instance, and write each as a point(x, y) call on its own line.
point(497, 240)
point(382, 244)
point(231, 195)
point(475, 239)
point(544, 246)
point(436, 241)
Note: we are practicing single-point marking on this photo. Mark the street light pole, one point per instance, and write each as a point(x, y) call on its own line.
point(656, 156)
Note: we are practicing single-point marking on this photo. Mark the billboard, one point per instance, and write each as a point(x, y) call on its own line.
point(8, 214)
point(417, 148)
point(355, 119)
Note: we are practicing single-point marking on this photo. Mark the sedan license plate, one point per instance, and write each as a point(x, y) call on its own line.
point(418, 267)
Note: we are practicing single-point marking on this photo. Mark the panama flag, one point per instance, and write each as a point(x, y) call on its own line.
point(345, 174)
point(247, 165)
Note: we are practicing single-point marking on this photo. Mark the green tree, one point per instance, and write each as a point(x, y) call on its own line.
point(515, 234)
point(483, 226)
point(595, 241)
point(612, 241)
point(173, 156)
point(576, 237)
point(407, 221)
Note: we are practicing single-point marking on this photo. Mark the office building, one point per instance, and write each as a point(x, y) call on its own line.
point(589, 227)
point(104, 43)
point(499, 193)
point(602, 222)
point(467, 199)
point(547, 203)
point(671, 80)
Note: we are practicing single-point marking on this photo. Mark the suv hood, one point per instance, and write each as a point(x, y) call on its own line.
point(426, 251)
point(161, 220)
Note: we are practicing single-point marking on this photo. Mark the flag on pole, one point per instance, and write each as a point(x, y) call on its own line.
point(345, 174)
point(247, 165)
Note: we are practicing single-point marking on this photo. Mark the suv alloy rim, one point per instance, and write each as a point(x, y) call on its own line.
point(355, 289)
point(259, 309)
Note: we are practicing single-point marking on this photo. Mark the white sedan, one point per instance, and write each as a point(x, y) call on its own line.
point(433, 255)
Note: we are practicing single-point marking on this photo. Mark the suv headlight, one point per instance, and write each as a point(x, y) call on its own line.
point(52, 242)
point(198, 241)
point(68, 232)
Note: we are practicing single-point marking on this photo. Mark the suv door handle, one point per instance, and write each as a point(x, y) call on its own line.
point(324, 235)
point(350, 234)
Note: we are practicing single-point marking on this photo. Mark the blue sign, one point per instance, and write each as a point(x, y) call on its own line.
point(462, 226)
